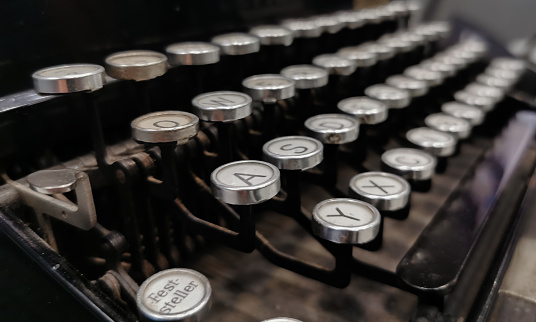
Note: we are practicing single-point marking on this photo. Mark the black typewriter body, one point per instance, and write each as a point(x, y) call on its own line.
point(442, 260)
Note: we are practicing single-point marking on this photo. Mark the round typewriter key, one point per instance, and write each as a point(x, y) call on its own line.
point(364, 109)
point(486, 104)
point(68, 79)
point(385, 191)
point(471, 114)
point(353, 19)
point(176, 294)
point(510, 75)
point(346, 221)
point(411, 164)
point(391, 96)
point(456, 62)
point(436, 66)
point(499, 82)
point(329, 23)
point(293, 152)
point(272, 35)
point(458, 127)
point(137, 65)
point(303, 28)
point(333, 128)
point(222, 106)
point(437, 143)
point(433, 78)
point(335, 65)
point(192, 53)
point(415, 87)
point(360, 57)
point(165, 126)
point(237, 43)
point(268, 88)
point(486, 91)
point(245, 182)
point(281, 320)
point(380, 50)
point(513, 64)
point(53, 181)
point(306, 76)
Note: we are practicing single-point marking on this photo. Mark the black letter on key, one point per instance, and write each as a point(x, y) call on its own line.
point(246, 178)
point(288, 147)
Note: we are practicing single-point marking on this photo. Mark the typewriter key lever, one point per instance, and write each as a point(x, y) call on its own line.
point(44, 194)
point(139, 66)
point(268, 89)
point(174, 295)
point(223, 108)
point(68, 79)
point(166, 129)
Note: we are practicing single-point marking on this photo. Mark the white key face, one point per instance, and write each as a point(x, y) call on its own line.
point(267, 82)
point(192, 48)
point(331, 123)
point(407, 159)
point(136, 58)
point(344, 213)
point(299, 72)
point(494, 81)
point(432, 77)
point(470, 113)
point(379, 184)
point(429, 137)
point(245, 174)
point(483, 90)
point(69, 71)
point(174, 292)
point(485, 103)
point(293, 146)
point(385, 92)
point(221, 100)
point(331, 61)
point(234, 39)
point(165, 121)
point(408, 83)
point(306, 76)
point(277, 34)
point(447, 123)
point(361, 105)
point(508, 63)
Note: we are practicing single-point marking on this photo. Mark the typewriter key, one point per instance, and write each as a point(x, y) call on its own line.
point(499, 82)
point(353, 19)
point(486, 91)
point(165, 127)
point(335, 65)
point(445, 69)
point(415, 87)
point(293, 152)
point(510, 75)
point(53, 181)
point(222, 106)
point(192, 53)
point(433, 78)
point(364, 109)
point(486, 104)
point(516, 65)
point(437, 143)
point(385, 191)
point(272, 35)
point(393, 97)
point(455, 126)
point(346, 221)
point(359, 56)
point(457, 62)
point(237, 43)
point(306, 76)
point(268, 88)
point(471, 114)
point(281, 320)
point(303, 28)
point(329, 23)
point(411, 164)
point(177, 294)
point(245, 182)
point(137, 65)
point(333, 128)
point(68, 79)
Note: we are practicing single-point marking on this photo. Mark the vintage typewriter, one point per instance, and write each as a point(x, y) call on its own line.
point(262, 161)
